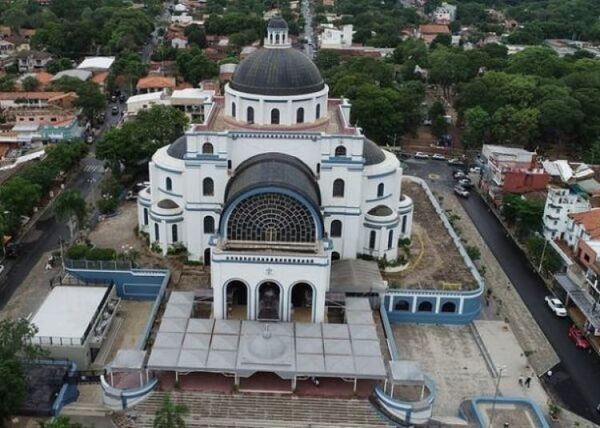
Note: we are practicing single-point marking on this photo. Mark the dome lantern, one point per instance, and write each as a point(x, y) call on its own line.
point(277, 33)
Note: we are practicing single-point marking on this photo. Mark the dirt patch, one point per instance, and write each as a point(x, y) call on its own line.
point(435, 262)
point(135, 316)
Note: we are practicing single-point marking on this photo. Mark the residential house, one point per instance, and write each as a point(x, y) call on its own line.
point(150, 84)
point(560, 203)
point(246, 51)
point(6, 47)
point(336, 38)
point(9, 100)
point(511, 170)
point(42, 78)
point(97, 64)
point(52, 123)
point(444, 14)
point(226, 72)
point(100, 79)
point(83, 75)
point(429, 32)
point(30, 61)
point(190, 100)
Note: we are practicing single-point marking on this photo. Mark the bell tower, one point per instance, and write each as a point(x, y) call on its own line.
point(277, 34)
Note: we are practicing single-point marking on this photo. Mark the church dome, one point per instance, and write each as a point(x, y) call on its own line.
point(267, 347)
point(278, 23)
point(277, 72)
point(372, 153)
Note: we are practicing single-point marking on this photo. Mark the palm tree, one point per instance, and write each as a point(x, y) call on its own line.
point(170, 415)
point(71, 206)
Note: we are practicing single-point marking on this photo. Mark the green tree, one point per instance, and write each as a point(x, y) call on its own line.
point(170, 414)
point(196, 35)
point(194, 66)
point(58, 64)
point(71, 206)
point(477, 122)
point(30, 84)
point(61, 422)
point(19, 196)
point(326, 59)
point(537, 247)
point(524, 213)
point(592, 154)
point(447, 68)
point(90, 100)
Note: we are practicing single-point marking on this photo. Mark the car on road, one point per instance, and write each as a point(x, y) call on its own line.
point(1, 269)
point(461, 191)
point(556, 306)
point(131, 196)
point(101, 118)
point(90, 139)
point(421, 155)
point(458, 175)
point(577, 337)
point(465, 182)
point(475, 170)
point(456, 162)
point(122, 98)
point(438, 156)
point(114, 111)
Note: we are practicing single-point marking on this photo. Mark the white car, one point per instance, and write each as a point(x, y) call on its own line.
point(1, 269)
point(461, 191)
point(421, 155)
point(438, 156)
point(556, 306)
point(475, 170)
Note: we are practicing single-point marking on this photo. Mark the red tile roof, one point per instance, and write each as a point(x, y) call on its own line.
point(590, 220)
point(434, 29)
point(156, 82)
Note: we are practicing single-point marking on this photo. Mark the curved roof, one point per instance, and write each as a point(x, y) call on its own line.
point(277, 23)
point(178, 148)
point(380, 211)
point(274, 170)
point(277, 72)
point(167, 204)
point(372, 153)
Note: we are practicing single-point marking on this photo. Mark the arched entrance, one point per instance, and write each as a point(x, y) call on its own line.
point(269, 301)
point(207, 257)
point(236, 300)
point(301, 302)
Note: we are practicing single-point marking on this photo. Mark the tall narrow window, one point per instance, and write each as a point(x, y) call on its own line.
point(156, 232)
point(372, 238)
point(207, 149)
point(146, 216)
point(174, 234)
point(340, 151)
point(208, 187)
point(336, 229)
point(318, 112)
point(275, 116)
point(338, 188)
point(232, 109)
point(300, 115)
point(209, 224)
point(404, 224)
point(169, 184)
point(390, 239)
point(380, 189)
point(318, 168)
point(250, 115)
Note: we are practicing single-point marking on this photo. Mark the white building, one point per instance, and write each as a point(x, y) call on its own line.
point(97, 63)
point(192, 101)
point(561, 202)
point(335, 38)
point(273, 186)
point(445, 14)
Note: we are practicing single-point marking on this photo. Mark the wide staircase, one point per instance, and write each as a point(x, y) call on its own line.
point(264, 411)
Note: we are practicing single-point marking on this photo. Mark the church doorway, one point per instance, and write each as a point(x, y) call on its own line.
point(207, 257)
point(269, 301)
point(236, 303)
point(301, 302)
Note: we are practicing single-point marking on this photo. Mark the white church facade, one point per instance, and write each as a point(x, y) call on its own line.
point(274, 187)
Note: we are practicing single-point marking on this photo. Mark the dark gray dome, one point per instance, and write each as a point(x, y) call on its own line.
point(167, 204)
point(380, 211)
point(276, 72)
point(277, 23)
point(178, 148)
point(372, 153)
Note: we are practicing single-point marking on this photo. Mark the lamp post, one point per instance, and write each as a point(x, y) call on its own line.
point(500, 373)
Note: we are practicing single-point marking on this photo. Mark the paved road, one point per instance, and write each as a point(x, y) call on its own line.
point(45, 235)
point(575, 380)
point(308, 29)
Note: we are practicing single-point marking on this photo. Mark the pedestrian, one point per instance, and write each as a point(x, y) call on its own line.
point(520, 380)
point(528, 381)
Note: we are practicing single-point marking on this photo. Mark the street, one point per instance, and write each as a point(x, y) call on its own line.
point(308, 29)
point(575, 380)
point(45, 234)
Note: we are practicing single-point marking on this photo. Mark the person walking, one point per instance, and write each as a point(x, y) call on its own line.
point(520, 380)
point(528, 381)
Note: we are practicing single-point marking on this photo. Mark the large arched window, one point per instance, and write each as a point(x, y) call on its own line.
point(336, 229)
point(372, 239)
point(390, 239)
point(449, 307)
point(156, 232)
point(275, 116)
point(340, 151)
point(209, 224)
point(174, 233)
point(169, 183)
point(338, 188)
point(208, 187)
point(250, 115)
point(318, 112)
point(402, 305)
point(232, 109)
point(380, 189)
point(207, 149)
point(425, 307)
point(300, 115)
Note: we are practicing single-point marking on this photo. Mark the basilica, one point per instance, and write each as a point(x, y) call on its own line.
point(274, 188)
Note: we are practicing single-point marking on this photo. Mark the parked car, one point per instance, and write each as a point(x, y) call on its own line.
point(456, 162)
point(577, 337)
point(438, 156)
point(461, 191)
point(1, 269)
point(114, 111)
point(459, 175)
point(475, 170)
point(12, 250)
point(141, 185)
point(421, 155)
point(131, 196)
point(122, 98)
point(90, 139)
point(101, 118)
point(465, 182)
point(556, 306)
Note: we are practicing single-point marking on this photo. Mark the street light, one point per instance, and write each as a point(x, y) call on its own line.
point(500, 373)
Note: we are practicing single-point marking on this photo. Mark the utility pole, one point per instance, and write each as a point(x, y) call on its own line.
point(543, 254)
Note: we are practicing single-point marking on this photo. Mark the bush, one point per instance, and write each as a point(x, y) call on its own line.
point(101, 254)
point(77, 252)
point(107, 205)
point(473, 252)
